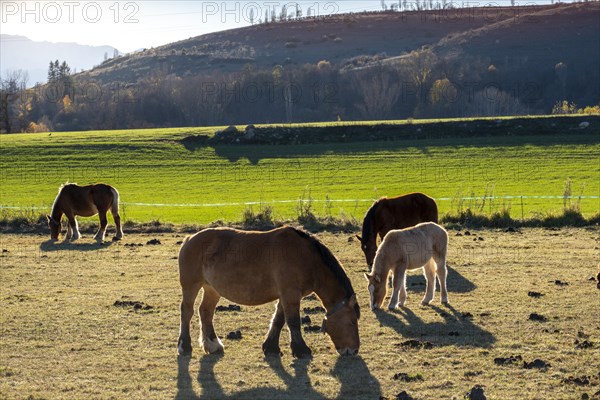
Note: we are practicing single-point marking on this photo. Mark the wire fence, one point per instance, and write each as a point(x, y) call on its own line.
point(254, 203)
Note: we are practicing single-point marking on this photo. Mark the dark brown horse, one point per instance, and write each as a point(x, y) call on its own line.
point(396, 213)
point(254, 268)
point(86, 201)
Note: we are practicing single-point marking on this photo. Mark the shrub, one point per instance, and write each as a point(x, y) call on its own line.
point(262, 219)
point(564, 107)
point(590, 110)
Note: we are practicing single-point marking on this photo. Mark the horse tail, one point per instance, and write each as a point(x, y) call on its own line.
point(114, 208)
point(442, 241)
point(429, 209)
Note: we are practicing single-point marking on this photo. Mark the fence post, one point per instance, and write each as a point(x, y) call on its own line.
point(522, 212)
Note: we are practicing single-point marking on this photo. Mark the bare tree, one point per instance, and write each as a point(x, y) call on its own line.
point(379, 90)
point(11, 86)
point(561, 72)
point(491, 101)
point(418, 65)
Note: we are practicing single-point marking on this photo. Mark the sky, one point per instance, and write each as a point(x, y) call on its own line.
point(133, 25)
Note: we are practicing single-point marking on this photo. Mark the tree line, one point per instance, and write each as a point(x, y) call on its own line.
point(419, 85)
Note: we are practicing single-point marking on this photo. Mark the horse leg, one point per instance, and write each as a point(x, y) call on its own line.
point(442, 273)
point(429, 272)
point(115, 213)
point(291, 310)
point(402, 283)
point(394, 299)
point(209, 339)
point(74, 227)
point(395, 288)
point(99, 236)
point(271, 344)
point(69, 232)
point(184, 343)
point(399, 291)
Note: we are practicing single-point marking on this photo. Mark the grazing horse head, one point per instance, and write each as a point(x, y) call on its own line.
point(54, 226)
point(341, 324)
point(377, 290)
point(369, 247)
point(368, 240)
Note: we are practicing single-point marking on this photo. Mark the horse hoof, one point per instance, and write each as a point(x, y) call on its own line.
point(271, 351)
point(184, 350)
point(307, 355)
point(301, 351)
point(213, 346)
point(116, 239)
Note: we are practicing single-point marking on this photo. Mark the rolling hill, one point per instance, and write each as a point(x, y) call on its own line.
point(453, 63)
point(532, 36)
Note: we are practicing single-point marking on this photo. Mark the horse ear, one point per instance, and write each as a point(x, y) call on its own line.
point(48, 217)
point(367, 277)
point(359, 238)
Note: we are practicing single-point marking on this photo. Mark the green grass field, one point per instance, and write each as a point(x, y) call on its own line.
point(160, 179)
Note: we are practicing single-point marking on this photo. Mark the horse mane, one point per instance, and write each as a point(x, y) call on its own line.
point(60, 189)
point(63, 185)
point(329, 259)
point(367, 228)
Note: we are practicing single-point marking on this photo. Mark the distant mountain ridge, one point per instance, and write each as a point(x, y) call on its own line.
point(19, 52)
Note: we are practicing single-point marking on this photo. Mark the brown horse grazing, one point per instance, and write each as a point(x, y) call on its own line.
point(254, 268)
point(86, 201)
point(396, 213)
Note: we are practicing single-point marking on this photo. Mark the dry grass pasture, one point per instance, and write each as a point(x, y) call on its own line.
point(71, 327)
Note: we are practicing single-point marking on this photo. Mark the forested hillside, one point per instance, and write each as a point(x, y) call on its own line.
point(370, 66)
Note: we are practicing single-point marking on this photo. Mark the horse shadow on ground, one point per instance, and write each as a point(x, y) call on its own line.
point(50, 245)
point(457, 328)
point(456, 282)
point(352, 372)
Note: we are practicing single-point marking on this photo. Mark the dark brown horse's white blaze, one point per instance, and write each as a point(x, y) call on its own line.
point(254, 268)
point(395, 213)
point(85, 201)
